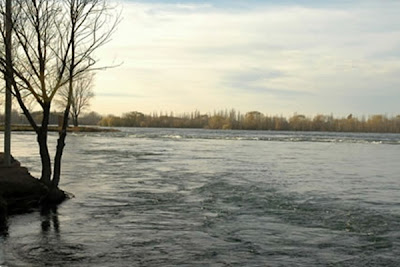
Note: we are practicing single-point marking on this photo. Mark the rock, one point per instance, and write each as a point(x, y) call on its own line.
point(14, 162)
point(20, 192)
point(55, 197)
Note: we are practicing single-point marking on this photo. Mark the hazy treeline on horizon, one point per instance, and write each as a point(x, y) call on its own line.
point(232, 119)
point(18, 118)
point(255, 120)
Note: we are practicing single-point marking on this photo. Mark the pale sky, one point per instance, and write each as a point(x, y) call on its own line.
point(277, 57)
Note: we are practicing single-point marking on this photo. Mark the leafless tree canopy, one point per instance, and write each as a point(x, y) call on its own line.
point(45, 32)
point(54, 44)
point(82, 93)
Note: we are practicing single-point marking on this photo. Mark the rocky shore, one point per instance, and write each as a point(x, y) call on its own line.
point(20, 192)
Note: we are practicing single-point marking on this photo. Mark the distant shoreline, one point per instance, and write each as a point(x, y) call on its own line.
point(84, 129)
point(100, 129)
point(225, 120)
point(254, 120)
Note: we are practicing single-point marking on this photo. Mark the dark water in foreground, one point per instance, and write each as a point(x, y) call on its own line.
point(157, 197)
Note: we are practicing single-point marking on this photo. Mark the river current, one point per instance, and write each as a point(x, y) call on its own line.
point(168, 197)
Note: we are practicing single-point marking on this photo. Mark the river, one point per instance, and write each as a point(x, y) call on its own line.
point(189, 197)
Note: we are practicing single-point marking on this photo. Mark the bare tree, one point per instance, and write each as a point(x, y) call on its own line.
point(2, 95)
point(82, 93)
point(54, 44)
point(8, 81)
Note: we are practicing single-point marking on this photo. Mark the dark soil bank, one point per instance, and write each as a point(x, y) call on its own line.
point(20, 192)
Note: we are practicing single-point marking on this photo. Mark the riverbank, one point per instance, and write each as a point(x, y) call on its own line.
point(20, 192)
point(254, 120)
point(53, 128)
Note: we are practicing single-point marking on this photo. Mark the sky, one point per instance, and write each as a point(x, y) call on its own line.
point(276, 57)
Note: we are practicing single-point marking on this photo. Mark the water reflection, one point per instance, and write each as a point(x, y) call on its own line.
point(152, 202)
point(1, 251)
point(54, 247)
point(49, 219)
point(40, 242)
point(3, 234)
point(3, 218)
point(3, 227)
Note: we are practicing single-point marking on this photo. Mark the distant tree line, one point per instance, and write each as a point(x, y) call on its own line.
point(232, 119)
point(255, 120)
point(17, 118)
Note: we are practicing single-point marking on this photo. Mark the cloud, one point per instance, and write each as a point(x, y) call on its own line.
point(260, 82)
point(216, 54)
point(119, 95)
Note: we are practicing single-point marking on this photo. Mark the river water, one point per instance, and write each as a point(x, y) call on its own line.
point(167, 197)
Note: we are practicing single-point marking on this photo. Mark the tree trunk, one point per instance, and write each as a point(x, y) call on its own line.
point(61, 140)
point(57, 159)
point(75, 120)
point(45, 157)
point(44, 151)
point(63, 132)
point(8, 78)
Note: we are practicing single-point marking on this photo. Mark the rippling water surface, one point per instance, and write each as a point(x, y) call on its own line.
point(167, 197)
